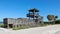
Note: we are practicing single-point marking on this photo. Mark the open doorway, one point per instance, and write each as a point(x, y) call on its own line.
point(10, 25)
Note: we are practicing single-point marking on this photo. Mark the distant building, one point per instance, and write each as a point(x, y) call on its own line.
point(12, 22)
point(33, 20)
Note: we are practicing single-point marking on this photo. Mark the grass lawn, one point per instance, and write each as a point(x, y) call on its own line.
point(24, 27)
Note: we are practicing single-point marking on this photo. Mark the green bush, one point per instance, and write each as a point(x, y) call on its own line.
point(1, 25)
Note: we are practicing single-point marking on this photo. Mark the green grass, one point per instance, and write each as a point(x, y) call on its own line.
point(23, 27)
point(16, 28)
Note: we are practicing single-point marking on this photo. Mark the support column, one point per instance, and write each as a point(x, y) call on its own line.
point(18, 25)
point(8, 26)
point(13, 26)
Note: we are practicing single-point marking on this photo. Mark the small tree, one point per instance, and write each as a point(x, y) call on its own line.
point(50, 17)
point(55, 18)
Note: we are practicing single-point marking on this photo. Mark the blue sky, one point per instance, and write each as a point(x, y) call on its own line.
point(19, 8)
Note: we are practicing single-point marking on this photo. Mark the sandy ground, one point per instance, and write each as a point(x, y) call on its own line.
point(51, 29)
